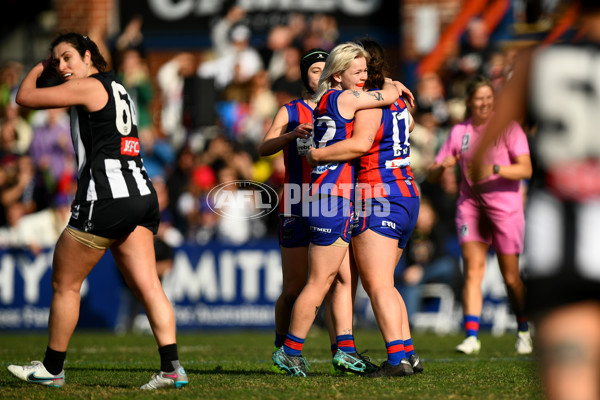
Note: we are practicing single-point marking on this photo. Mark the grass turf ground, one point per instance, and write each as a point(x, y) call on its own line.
point(235, 365)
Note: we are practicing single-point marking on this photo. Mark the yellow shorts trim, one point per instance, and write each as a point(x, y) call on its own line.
point(340, 243)
point(90, 240)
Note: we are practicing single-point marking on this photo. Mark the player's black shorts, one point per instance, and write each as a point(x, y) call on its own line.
point(562, 252)
point(547, 294)
point(116, 218)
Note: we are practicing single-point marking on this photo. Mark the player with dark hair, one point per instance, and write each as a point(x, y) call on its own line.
point(115, 206)
point(558, 86)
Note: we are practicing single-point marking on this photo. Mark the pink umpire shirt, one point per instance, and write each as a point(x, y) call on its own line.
point(496, 194)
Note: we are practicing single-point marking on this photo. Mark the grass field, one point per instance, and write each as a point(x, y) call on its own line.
point(235, 365)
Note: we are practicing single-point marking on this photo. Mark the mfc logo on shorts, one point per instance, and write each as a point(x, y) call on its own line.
point(464, 230)
point(130, 146)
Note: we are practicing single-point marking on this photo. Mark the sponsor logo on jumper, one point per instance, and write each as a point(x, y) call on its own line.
point(303, 145)
point(242, 199)
point(130, 146)
point(319, 169)
point(397, 163)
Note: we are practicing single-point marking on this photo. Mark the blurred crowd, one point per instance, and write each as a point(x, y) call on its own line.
point(200, 118)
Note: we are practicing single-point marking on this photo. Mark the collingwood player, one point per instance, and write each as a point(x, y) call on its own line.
point(559, 85)
point(115, 206)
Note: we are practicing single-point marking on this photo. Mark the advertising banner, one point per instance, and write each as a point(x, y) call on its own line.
point(223, 286)
point(26, 291)
point(210, 286)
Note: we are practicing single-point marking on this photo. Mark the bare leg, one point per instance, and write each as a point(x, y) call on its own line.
point(324, 265)
point(405, 325)
point(294, 264)
point(474, 256)
point(134, 255)
point(71, 265)
point(509, 266)
point(569, 347)
point(377, 276)
point(342, 299)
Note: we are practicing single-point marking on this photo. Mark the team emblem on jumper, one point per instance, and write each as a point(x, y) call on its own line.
point(465, 142)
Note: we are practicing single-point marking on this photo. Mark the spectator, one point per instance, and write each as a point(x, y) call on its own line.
point(178, 181)
point(12, 214)
point(289, 86)
point(262, 106)
point(430, 98)
point(192, 209)
point(423, 141)
point(298, 27)
point(23, 183)
point(472, 58)
point(238, 63)
point(219, 34)
point(40, 230)
point(51, 149)
point(158, 154)
point(322, 32)
point(15, 132)
point(279, 39)
point(10, 76)
point(476, 51)
point(131, 37)
point(170, 78)
point(443, 197)
point(133, 73)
